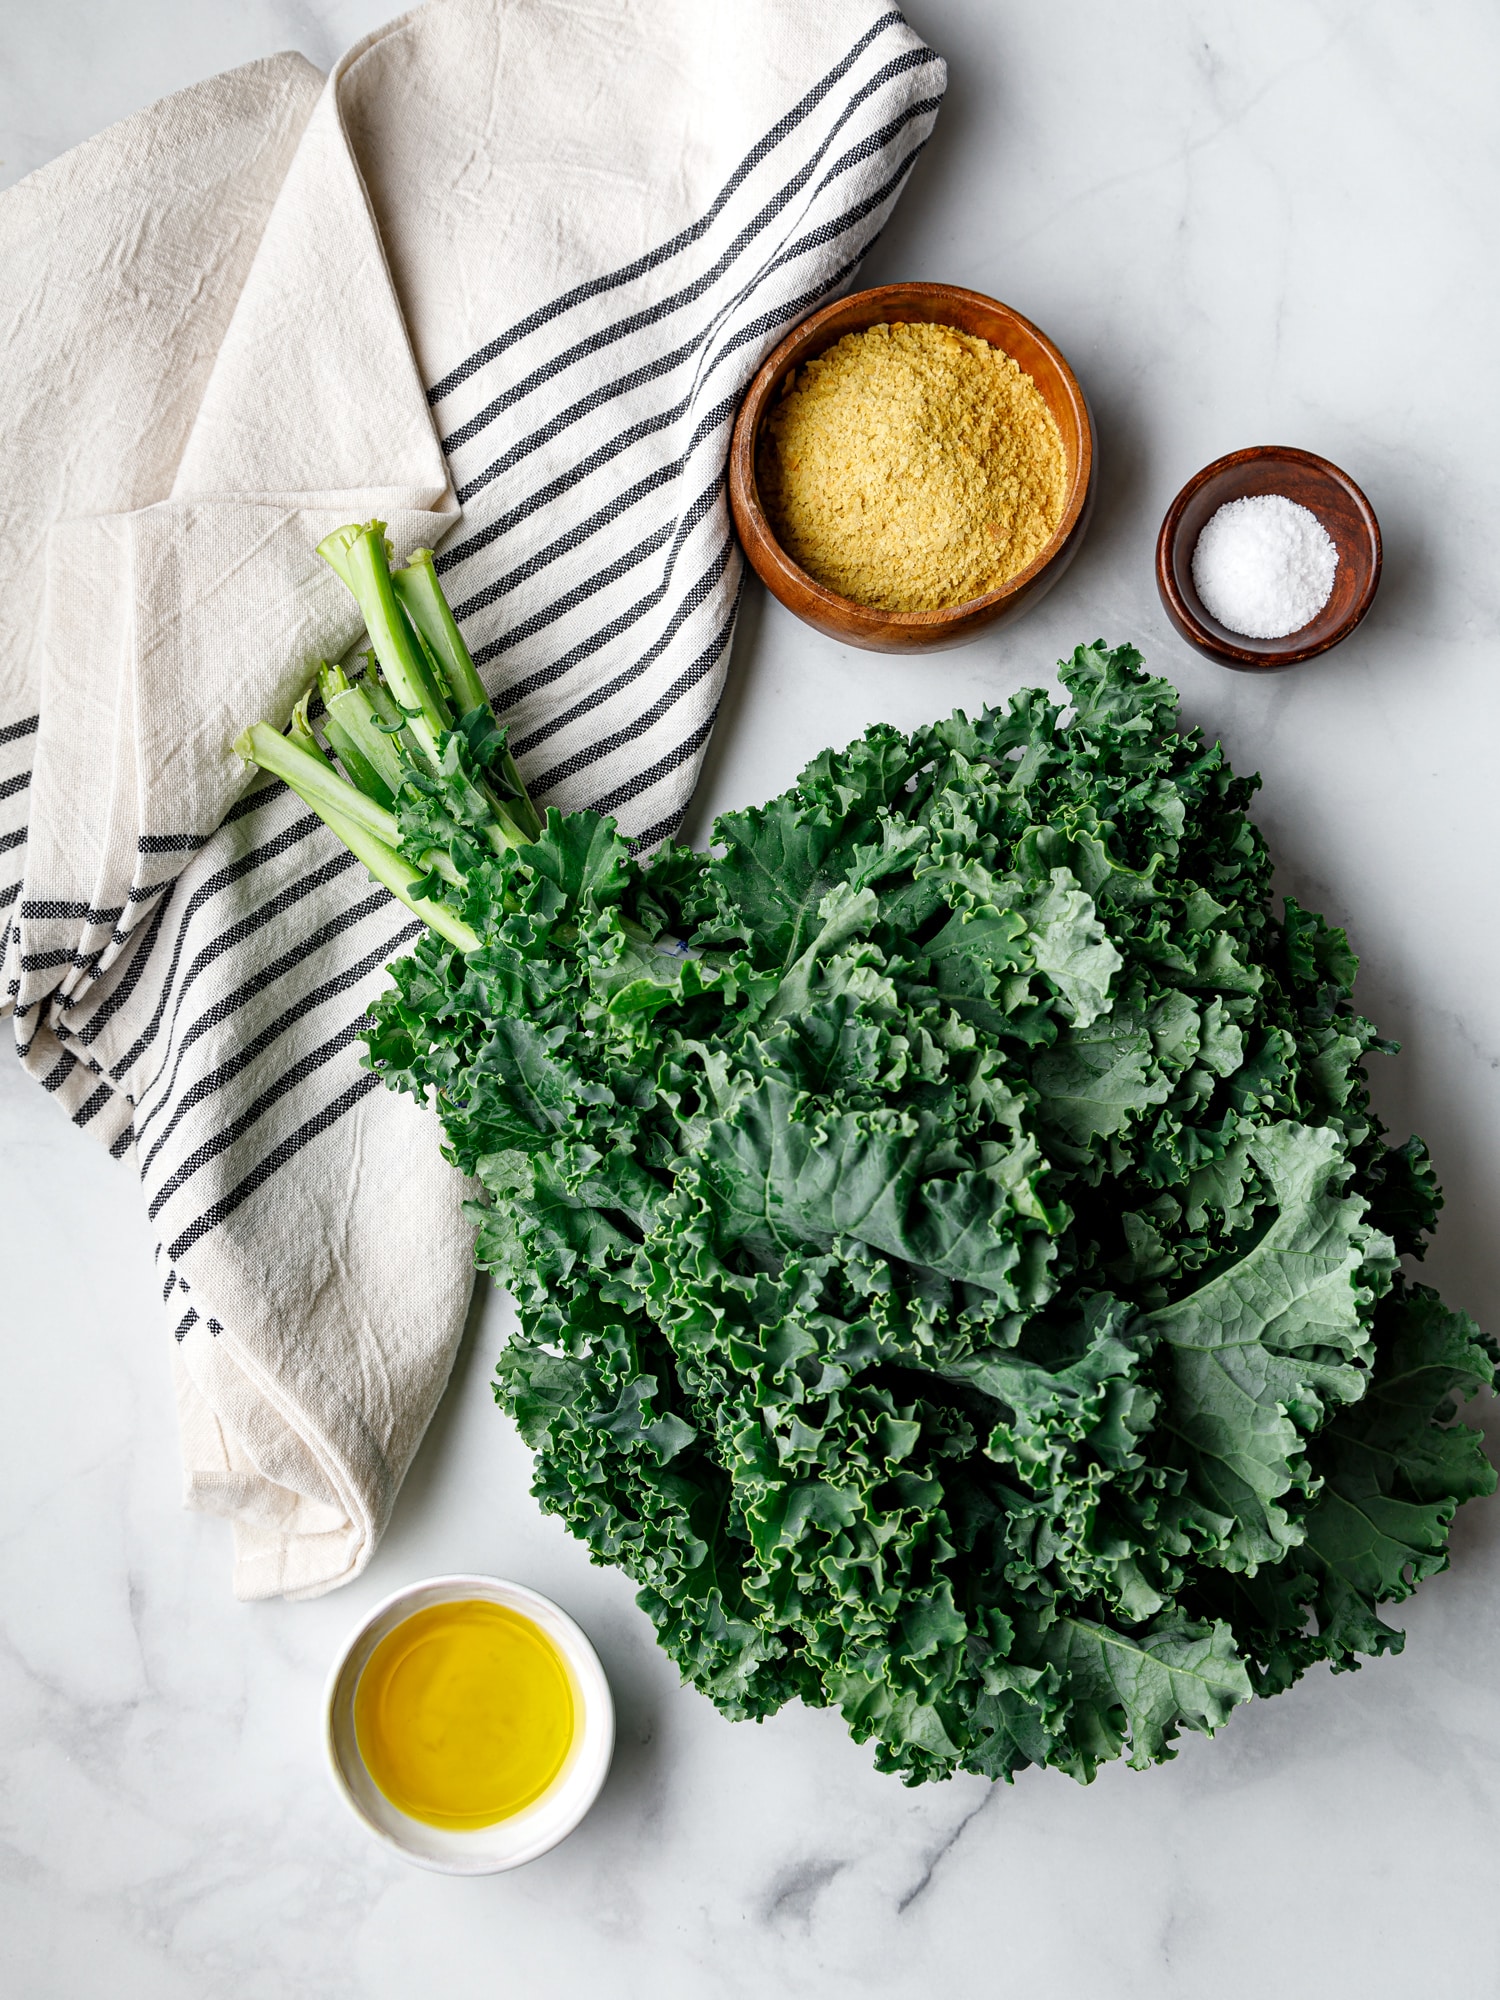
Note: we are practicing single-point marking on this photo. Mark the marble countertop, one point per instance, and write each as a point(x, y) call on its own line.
point(1242, 225)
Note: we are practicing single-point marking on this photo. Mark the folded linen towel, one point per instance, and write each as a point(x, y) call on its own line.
point(515, 261)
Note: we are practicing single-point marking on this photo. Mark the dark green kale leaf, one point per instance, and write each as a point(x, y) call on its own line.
point(954, 1249)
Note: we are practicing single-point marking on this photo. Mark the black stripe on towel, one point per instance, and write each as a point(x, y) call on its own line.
point(300, 829)
point(209, 1086)
point(229, 1004)
point(648, 718)
point(686, 606)
point(274, 1161)
point(644, 780)
point(226, 1135)
point(688, 294)
point(700, 509)
point(762, 149)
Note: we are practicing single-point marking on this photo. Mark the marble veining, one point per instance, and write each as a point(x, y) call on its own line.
point(1243, 225)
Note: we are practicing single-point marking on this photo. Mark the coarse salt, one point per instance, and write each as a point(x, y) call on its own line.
point(1264, 566)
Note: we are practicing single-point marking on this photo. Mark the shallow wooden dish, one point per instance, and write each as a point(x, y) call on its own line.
point(1314, 483)
point(913, 631)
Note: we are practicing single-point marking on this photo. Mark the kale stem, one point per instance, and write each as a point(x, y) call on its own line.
point(369, 757)
point(300, 730)
point(366, 828)
point(518, 811)
point(423, 601)
point(357, 555)
point(339, 805)
point(387, 866)
point(312, 778)
point(393, 732)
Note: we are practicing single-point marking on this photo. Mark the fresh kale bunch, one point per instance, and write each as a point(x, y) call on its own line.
point(955, 1254)
point(958, 1282)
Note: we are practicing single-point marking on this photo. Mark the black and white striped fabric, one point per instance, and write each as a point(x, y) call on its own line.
point(17, 748)
point(595, 574)
point(212, 1030)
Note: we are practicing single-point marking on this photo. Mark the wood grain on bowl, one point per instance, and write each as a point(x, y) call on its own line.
point(864, 625)
point(1313, 482)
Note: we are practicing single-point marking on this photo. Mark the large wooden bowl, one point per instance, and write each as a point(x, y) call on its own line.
point(913, 631)
point(1313, 482)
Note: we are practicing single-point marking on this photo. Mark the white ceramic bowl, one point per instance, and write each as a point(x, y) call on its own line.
point(483, 1850)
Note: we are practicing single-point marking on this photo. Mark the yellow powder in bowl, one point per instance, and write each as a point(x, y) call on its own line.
point(912, 467)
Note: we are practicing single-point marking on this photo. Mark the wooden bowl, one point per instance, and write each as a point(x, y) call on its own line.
point(1313, 483)
point(913, 631)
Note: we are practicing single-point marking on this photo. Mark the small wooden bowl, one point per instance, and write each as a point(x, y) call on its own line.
point(1313, 483)
point(913, 631)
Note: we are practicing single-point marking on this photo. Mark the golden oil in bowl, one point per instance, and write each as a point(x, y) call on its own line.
point(468, 1723)
point(464, 1714)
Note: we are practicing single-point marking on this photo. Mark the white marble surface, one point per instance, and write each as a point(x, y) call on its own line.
point(1243, 224)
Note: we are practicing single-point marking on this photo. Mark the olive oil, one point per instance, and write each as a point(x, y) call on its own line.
point(464, 1713)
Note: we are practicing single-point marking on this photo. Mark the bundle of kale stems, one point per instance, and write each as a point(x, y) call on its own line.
point(955, 1254)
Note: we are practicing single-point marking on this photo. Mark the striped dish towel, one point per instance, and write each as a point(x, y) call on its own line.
point(499, 280)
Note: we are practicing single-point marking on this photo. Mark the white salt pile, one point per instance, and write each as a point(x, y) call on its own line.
point(1264, 566)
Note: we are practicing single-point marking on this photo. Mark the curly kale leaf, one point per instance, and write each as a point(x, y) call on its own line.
point(954, 1249)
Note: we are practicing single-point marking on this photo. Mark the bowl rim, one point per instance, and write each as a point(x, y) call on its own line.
point(1182, 614)
point(747, 422)
point(466, 1850)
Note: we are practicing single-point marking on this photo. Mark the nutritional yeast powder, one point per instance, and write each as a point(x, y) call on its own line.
point(911, 467)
